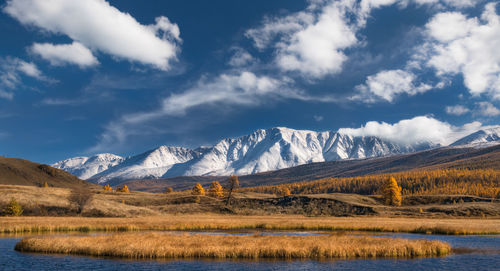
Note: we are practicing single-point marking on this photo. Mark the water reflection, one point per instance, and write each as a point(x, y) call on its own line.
point(478, 253)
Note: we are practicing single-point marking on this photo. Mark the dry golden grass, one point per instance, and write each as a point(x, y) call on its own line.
point(117, 209)
point(32, 195)
point(161, 245)
point(101, 203)
point(233, 222)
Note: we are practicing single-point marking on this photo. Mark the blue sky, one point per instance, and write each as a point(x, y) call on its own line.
point(85, 77)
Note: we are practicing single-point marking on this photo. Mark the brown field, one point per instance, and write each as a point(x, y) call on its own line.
point(37, 201)
point(203, 222)
point(161, 245)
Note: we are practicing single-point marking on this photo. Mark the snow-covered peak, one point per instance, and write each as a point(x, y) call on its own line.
point(151, 164)
point(486, 137)
point(86, 167)
point(263, 150)
point(71, 162)
point(164, 155)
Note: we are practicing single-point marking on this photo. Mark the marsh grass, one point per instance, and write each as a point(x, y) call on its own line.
point(235, 222)
point(167, 245)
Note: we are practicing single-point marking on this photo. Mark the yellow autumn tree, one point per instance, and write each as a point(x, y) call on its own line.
point(124, 189)
point(284, 191)
point(169, 190)
point(391, 192)
point(45, 185)
point(198, 190)
point(216, 190)
point(108, 188)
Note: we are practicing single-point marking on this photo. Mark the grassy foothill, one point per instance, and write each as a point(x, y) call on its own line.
point(203, 222)
point(168, 245)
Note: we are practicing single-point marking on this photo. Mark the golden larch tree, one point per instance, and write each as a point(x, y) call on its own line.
point(107, 188)
point(391, 192)
point(123, 189)
point(198, 190)
point(284, 192)
point(216, 190)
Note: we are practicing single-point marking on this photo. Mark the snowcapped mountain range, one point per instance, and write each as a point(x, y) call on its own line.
point(480, 138)
point(86, 167)
point(263, 150)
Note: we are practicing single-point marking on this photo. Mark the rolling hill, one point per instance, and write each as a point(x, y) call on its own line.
point(22, 172)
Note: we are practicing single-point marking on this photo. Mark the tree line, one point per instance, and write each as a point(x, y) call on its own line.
point(476, 182)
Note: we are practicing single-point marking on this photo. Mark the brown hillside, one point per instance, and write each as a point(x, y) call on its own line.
point(22, 172)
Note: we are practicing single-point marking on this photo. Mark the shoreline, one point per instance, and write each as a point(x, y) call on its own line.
point(204, 222)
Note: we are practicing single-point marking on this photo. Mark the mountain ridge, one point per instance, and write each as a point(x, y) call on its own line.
point(261, 151)
point(438, 158)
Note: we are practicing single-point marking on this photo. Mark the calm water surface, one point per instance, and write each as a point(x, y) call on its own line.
point(481, 253)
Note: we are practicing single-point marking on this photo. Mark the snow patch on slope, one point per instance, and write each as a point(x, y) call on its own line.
point(86, 167)
point(151, 164)
point(480, 139)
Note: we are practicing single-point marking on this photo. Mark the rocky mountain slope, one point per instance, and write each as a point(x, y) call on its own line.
point(86, 167)
point(484, 137)
point(261, 151)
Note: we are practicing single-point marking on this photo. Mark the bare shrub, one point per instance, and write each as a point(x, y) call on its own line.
point(80, 199)
point(13, 208)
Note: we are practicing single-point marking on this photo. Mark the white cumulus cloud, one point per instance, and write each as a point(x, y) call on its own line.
point(99, 26)
point(417, 129)
point(241, 58)
point(317, 49)
point(457, 110)
point(61, 54)
point(487, 109)
point(312, 42)
point(455, 44)
point(465, 46)
point(388, 84)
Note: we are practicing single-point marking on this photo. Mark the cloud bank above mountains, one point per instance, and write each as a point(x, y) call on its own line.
point(417, 129)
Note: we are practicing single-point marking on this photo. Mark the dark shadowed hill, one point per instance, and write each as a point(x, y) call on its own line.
point(22, 172)
point(432, 159)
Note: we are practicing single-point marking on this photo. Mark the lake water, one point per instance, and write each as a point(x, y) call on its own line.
point(478, 253)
